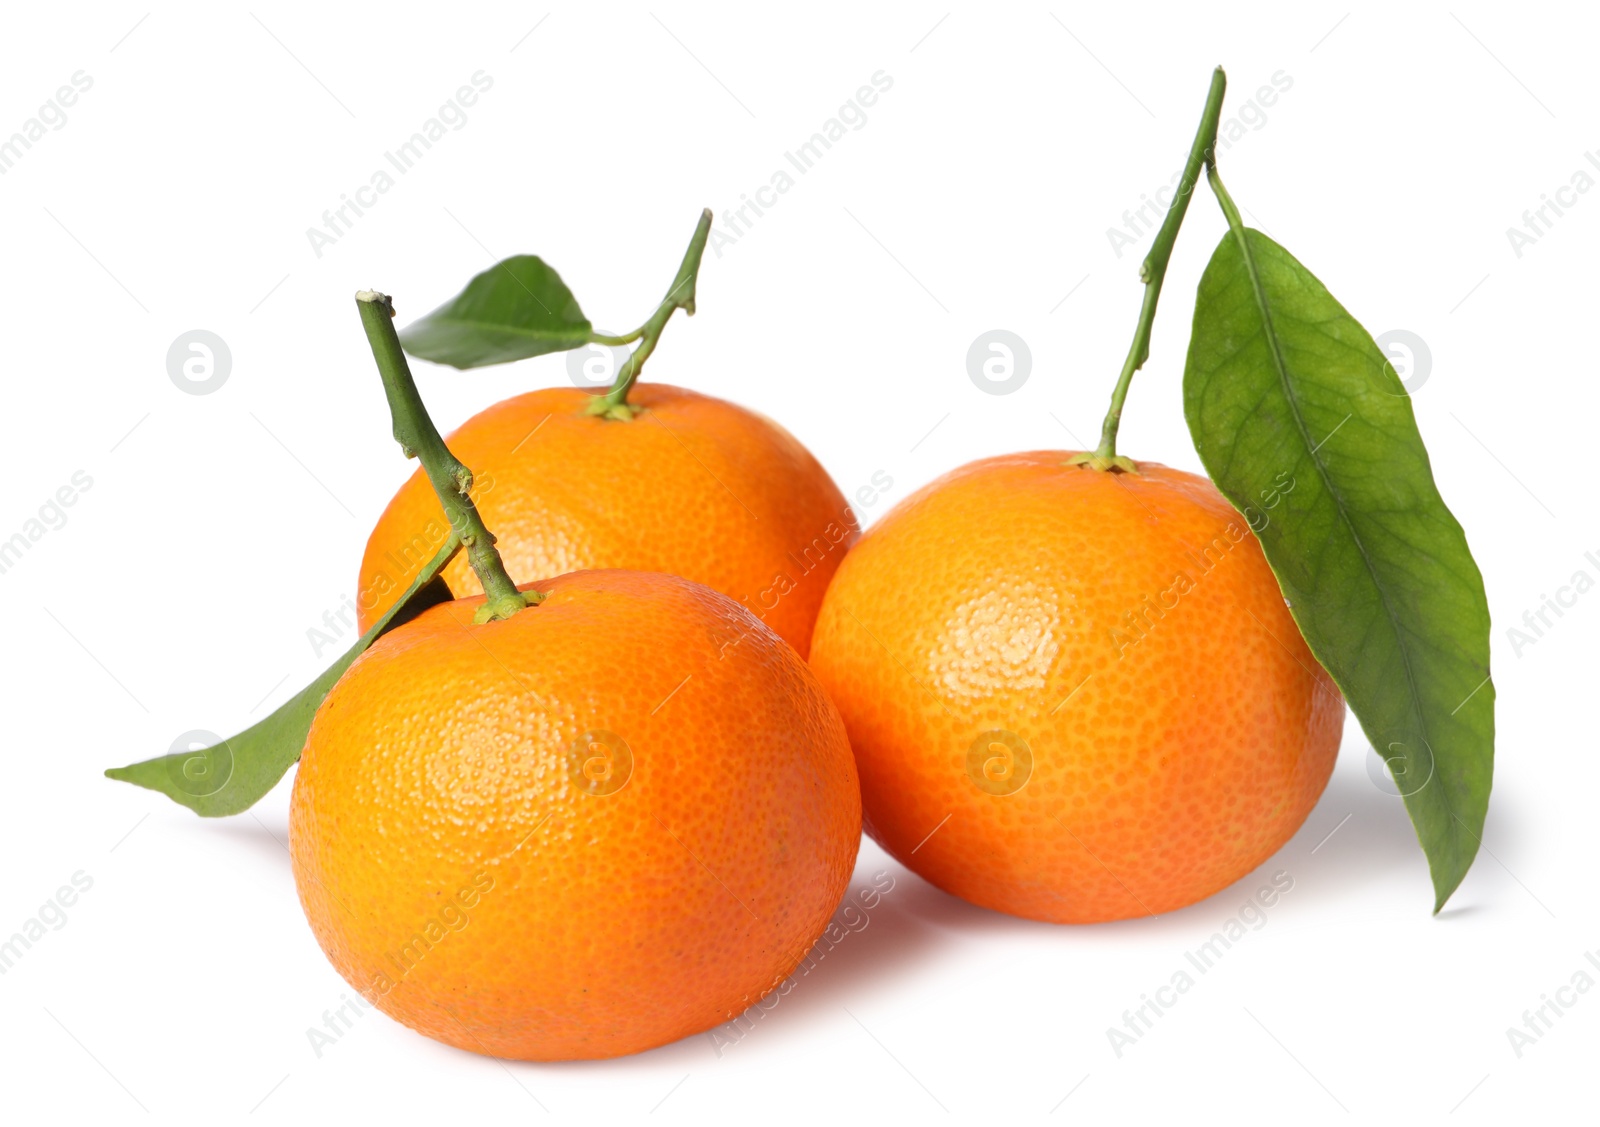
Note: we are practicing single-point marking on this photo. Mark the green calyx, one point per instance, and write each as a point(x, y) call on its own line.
point(1114, 463)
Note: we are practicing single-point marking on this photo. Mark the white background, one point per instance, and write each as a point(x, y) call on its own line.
point(219, 528)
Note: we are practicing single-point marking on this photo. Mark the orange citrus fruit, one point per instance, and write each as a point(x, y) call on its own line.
point(692, 486)
point(1074, 695)
point(612, 820)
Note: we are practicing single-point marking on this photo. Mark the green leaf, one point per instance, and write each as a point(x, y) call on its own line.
point(232, 776)
point(1303, 424)
point(515, 309)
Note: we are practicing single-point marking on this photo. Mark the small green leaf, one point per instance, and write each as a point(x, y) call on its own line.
point(515, 309)
point(232, 776)
point(1306, 428)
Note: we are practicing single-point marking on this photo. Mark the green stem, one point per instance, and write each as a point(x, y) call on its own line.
point(1153, 272)
point(452, 481)
point(614, 403)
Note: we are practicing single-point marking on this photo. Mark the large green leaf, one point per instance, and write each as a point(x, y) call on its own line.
point(232, 776)
point(1283, 387)
point(515, 309)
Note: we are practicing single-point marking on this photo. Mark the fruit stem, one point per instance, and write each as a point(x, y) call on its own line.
point(614, 403)
point(1152, 272)
point(452, 481)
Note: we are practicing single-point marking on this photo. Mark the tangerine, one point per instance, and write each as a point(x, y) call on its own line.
point(609, 821)
point(1074, 695)
point(692, 486)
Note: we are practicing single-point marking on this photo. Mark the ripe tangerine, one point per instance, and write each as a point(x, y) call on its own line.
point(692, 486)
point(612, 820)
point(1074, 695)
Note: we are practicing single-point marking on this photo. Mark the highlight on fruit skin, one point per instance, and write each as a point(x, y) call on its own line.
point(692, 486)
point(1074, 695)
point(615, 819)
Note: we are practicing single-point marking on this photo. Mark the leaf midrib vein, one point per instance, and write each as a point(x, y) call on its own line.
point(1280, 366)
point(510, 330)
